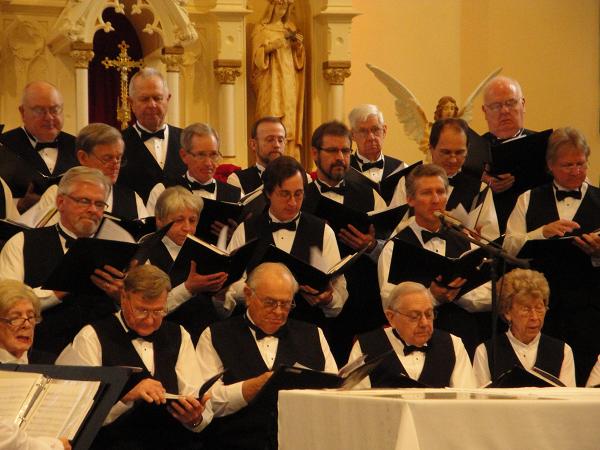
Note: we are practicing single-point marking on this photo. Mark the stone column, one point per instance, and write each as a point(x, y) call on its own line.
point(335, 72)
point(227, 71)
point(82, 54)
point(172, 57)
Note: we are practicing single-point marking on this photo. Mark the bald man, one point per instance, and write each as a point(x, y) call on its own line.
point(40, 146)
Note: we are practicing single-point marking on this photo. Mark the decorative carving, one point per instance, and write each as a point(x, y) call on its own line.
point(336, 72)
point(227, 71)
point(173, 58)
point(82, 54)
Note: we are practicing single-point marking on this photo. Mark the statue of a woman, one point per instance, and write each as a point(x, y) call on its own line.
point(278, 70)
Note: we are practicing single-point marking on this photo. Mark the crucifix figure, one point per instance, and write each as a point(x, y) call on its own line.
point(124, 64)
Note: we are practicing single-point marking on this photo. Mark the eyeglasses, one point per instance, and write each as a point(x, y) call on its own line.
point(570, 166)
point(458, 154)
point(108, 160)
point(18, 322)
point(269, 303)
point(141, 313)
point(346, 151)
point(40, 111)
point(510, 104)
point(86, 202)
point(416, 316)
point(203, 156)
point(526, 311)
point(374, 130)
point(287, 195)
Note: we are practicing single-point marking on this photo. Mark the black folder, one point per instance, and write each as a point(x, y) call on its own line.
point(112, 380)
point(42, 182)
point(9, 228)
point(211, 259)
point(519, 377)
point(414, 263)
point(72, 273)
point(138, 228)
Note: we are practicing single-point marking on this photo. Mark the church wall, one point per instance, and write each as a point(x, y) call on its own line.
point(445, 48)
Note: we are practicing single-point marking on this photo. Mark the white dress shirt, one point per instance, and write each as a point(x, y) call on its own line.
point(462, 374)
point(156, 146)
point(86, 350)
point(527, 354)
point(476, 300)
point(227, 399)
point(48, 154)
point(14, 438)
point(594, 378)
point(284, 240)
point(7, 357)
point(373, 173)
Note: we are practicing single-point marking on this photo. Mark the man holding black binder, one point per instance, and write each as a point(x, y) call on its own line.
point(250, 348)
point(567, 206)
point(31, 256)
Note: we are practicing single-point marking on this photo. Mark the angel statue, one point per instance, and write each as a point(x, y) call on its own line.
point(411, 114)
point(277, 72)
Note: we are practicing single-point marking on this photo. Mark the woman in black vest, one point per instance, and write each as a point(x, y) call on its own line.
point(523, 302)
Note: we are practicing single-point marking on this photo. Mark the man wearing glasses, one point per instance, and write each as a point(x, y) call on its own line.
point(137, 336)
point(200, 153)
point(42, 148)
point(99, 146)
point(432, 357)
point(31, 256)
point(249, 347)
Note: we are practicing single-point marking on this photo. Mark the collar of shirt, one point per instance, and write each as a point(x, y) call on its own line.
point(583, 188)
point(8, 358)
point(283, 238)
point(435, 244)
point(522, 346)
point(67, 232)
point(330, 194)
point(33, 140)
point(519, 134)
point(362, 160)
point(261, 168)
point(171, 247)
point(267, 346)
point(139, 127)
point(202, 192)
point(413, 363)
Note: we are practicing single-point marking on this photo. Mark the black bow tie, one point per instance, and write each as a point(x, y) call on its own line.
point(340, 190)
point(209, 187)
point(452, 181)
point(408, 349)
point(370, 165)
point(276, 226)
point(132, 334)
point(561, 195)
point(42, 145)
point(69, 241)
point(428, 235)
point(145, 135)
point(260, 334)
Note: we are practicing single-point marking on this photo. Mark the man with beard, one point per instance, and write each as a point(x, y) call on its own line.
point(151, 145)
point(331, 154)
point(267, 142)
point(31, 256)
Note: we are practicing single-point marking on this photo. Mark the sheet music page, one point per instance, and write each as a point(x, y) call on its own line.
point(15, 389)
point(62, 409)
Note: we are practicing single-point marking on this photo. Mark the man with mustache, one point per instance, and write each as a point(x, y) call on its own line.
point(30, 256)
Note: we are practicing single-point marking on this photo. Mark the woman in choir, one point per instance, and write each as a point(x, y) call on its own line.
point(20, 311)
point(523, 303)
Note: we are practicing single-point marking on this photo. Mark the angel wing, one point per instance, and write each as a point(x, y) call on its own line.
point(466, 112)
point(408, 110)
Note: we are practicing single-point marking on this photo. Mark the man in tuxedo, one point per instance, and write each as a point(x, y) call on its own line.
point(137, 336)
point(200, 153)
point(39, 148)
point(369, 131)
point(468, 198)
point(267, 141)
point(31, 256)
point(331, 154)
point(151, 145)
point(249, 347)
point(432, 357)
point(567, 206)
point(99, 146)
point(301, 234)
point(427, 193)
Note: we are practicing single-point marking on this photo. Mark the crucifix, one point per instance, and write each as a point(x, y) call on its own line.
point(124, 64)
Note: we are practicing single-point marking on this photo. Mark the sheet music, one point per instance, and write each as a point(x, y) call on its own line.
point(15, 389)
point(62, 409)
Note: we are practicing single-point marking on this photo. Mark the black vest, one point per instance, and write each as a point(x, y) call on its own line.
point(455, 246)
point(549, 357)
point(225, 192)
point(465, 190)
point(250, 179)
point(253, 426)
point(124, 204)
point(439, 360)
point(142, 172)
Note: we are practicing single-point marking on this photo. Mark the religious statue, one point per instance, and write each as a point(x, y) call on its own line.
point(413, 117)
point(277, 75)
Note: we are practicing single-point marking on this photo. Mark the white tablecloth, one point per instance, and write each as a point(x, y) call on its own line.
point(531, 419)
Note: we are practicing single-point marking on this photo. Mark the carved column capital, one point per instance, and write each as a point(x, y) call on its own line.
point(82, 54)
point(172, 57)
point(335, 72)
point(227, 70)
